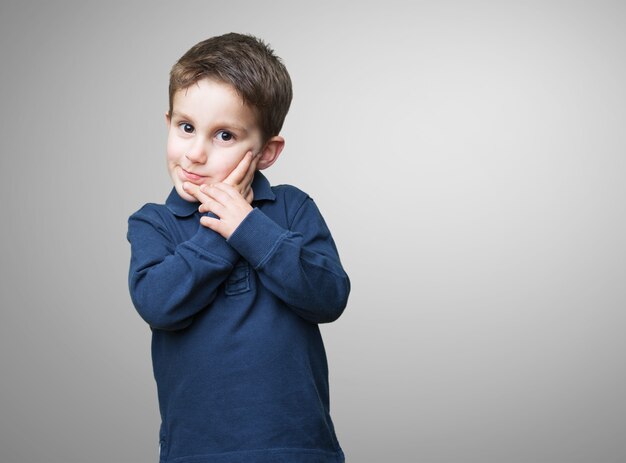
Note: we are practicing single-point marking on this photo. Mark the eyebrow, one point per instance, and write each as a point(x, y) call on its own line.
point(226, 124)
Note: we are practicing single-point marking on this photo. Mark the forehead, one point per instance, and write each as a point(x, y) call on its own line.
point(209, 100)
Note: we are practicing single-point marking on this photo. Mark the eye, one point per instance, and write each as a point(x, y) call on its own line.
point(187, 128)
point(223, 135)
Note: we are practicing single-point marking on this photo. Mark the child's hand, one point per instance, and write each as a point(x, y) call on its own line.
point(230, 200)
point(241, 177)
point(227, 203)
point(223, 200)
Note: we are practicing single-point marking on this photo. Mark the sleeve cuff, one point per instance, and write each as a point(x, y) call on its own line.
point(256, 237)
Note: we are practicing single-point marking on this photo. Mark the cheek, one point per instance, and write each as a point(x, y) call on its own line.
point(173, 150)
point(221, 167)
point(222, 172)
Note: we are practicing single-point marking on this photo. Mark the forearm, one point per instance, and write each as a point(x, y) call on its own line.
point(314, 286)
point(300, 266)
point(170, 284)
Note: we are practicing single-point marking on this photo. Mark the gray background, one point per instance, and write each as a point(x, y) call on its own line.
point(469, 158)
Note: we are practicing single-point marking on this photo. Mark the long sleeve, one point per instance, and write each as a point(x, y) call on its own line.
point(171, 282)
point(299, 265)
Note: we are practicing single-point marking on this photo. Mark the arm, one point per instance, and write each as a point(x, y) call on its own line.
point(300, 265)
point(169, 283)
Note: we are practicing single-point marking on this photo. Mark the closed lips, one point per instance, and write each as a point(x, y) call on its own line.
point(191, 176)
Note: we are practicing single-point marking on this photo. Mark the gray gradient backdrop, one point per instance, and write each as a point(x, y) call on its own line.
point(469, 158)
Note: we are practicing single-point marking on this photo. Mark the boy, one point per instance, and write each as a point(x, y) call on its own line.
point(232, 275)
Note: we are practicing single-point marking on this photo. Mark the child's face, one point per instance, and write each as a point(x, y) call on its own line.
point(210, 130)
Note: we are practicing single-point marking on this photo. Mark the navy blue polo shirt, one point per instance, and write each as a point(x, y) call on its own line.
point(237, 354)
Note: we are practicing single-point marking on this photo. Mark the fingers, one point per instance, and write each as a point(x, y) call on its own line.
point(213, 223)
point(197, 192)
point(240, 172)
point(208, 195)
point(216, 196)
point(226, 202)
point(250, 196)
point(220, 192)
point(247, 180)
point(194, 190)
point(242, 176)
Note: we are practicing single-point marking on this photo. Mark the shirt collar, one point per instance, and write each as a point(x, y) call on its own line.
point(183, 208)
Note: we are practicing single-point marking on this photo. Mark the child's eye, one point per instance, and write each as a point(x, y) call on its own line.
point(222, 135)
point(187, 128)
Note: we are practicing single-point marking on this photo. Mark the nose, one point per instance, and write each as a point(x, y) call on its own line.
point(197, 153)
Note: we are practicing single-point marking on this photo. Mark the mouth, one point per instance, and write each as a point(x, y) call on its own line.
point(191, 177)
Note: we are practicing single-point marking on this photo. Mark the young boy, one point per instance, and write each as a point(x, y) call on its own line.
point(233, 275)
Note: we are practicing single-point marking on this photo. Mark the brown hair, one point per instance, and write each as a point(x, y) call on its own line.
point(246, 63)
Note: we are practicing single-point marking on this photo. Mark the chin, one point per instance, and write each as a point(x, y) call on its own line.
point(183, 194)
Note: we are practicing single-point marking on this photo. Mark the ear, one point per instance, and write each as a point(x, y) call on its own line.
point(270, 152)
point(168, 119)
